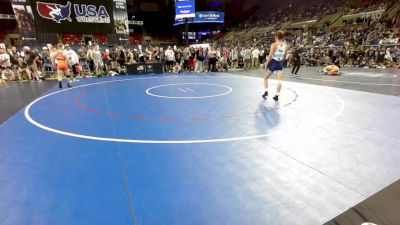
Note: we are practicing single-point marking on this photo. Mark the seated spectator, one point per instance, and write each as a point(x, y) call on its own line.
point(177, 68)
point(8, 74)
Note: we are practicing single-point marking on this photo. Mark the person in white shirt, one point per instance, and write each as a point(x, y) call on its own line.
point(97, 60)
point(212, 60)
point(73, 60)
point(169, 58)
point(235, 58)
point(255, 57)
point(89, 57)
point(275, 63)
point(7, 74)
point(4, 59)
point(247, 58)
point(5, 66)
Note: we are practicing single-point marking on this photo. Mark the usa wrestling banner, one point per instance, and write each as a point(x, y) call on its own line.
point(73, 16)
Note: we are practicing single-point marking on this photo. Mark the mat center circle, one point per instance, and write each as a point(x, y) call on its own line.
point(189, 90)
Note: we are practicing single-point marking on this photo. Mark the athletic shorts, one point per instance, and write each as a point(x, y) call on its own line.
point(62, 66)
point(275, 65)
point(169, 63)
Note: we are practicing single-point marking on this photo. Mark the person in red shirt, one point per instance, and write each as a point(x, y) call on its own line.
point(106, 60)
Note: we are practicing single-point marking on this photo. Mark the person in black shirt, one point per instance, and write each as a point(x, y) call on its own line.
point(370, 57)
point(14, 58)
point(353, 57)
point(178, 56)
point(31, 58)
point(296, 61)
point(121, 59)
point(381, 57)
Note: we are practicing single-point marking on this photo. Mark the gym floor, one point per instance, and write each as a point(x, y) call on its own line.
point(199, 149)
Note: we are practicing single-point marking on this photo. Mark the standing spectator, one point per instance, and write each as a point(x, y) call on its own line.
point(47, 65)
point(170, 58)
point(31, 58)
point(192, 59)
point(186, 55)
point(296, 61)
point(15, 62)
point(107, 61)
point(212, 60)
point(83, 60)
point(97, 60)
point(121, 59)
point(73, 60)
point(200, 60)
point(261, 56)
point(255, 57)
point(90, 59)
point(156, 54)
point(131, 58)
point(247, 58)
point(179, 57)
point(381, 57)
point(235, 58)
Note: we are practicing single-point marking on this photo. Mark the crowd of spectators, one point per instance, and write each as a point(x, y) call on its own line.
point(35, 64)
point(363, 42)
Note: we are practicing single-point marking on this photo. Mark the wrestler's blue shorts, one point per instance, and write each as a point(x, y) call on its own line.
point(275, 65)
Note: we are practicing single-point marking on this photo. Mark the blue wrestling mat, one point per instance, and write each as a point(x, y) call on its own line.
point(196, 150)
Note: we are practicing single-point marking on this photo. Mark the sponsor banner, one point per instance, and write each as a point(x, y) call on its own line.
point(135, 22)
point(190, 35)
point(25, 18)
point(204, 17)
point(145, 68)
point(184, 9)
point(120, 17)
point(77, 16)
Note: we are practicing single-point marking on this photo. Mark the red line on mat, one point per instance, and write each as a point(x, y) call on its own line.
point(200, 118)
point(114, 114)
point(230, 116)
point(169, 119)
point(137, 117)
point(94, 111)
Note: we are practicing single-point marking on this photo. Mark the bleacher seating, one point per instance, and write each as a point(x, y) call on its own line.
point(102, 39)
point(70, 38)
point(135, 39)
